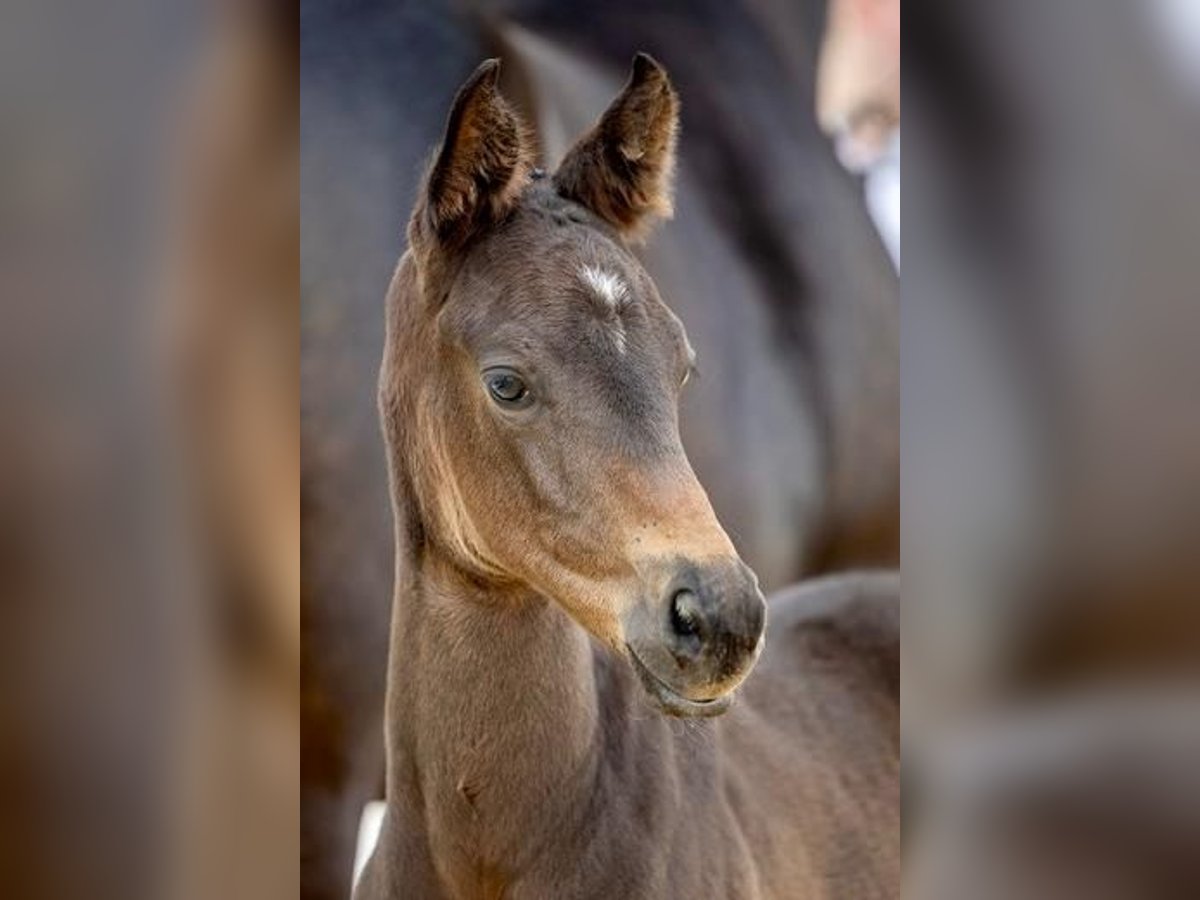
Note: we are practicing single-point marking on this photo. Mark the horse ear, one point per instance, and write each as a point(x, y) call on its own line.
point(622, 168)
point(480, 167)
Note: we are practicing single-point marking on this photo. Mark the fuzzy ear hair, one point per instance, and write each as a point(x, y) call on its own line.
point(479, 169)
point(622, 168)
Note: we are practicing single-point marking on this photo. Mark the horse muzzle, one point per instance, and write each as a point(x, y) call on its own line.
point(695, 639)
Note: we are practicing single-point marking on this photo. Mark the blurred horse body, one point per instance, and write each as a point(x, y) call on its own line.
point(773, 266)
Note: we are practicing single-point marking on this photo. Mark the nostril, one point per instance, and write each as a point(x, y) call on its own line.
point(686, 614)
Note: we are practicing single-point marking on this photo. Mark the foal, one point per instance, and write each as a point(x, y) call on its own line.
point(562, 580)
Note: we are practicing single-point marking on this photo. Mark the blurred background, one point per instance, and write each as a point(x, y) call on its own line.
point(200, 208)
point(149, 450)
point(1050, 432)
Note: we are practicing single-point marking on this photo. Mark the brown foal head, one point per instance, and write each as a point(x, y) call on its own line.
point(531, 384)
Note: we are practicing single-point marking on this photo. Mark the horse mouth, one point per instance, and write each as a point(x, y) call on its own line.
point(671, 701)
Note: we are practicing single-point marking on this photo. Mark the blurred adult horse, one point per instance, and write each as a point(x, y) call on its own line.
point(772, 264)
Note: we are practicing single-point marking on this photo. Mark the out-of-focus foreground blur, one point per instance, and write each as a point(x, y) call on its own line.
point(149, 445)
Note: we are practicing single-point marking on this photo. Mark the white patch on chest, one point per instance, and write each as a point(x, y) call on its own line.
point(612, 290)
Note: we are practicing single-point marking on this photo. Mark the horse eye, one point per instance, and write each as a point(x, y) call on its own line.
point(506, 387)
point(691, 366)
point(689, 372)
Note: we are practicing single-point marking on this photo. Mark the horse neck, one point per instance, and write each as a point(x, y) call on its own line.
point(492, 716)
